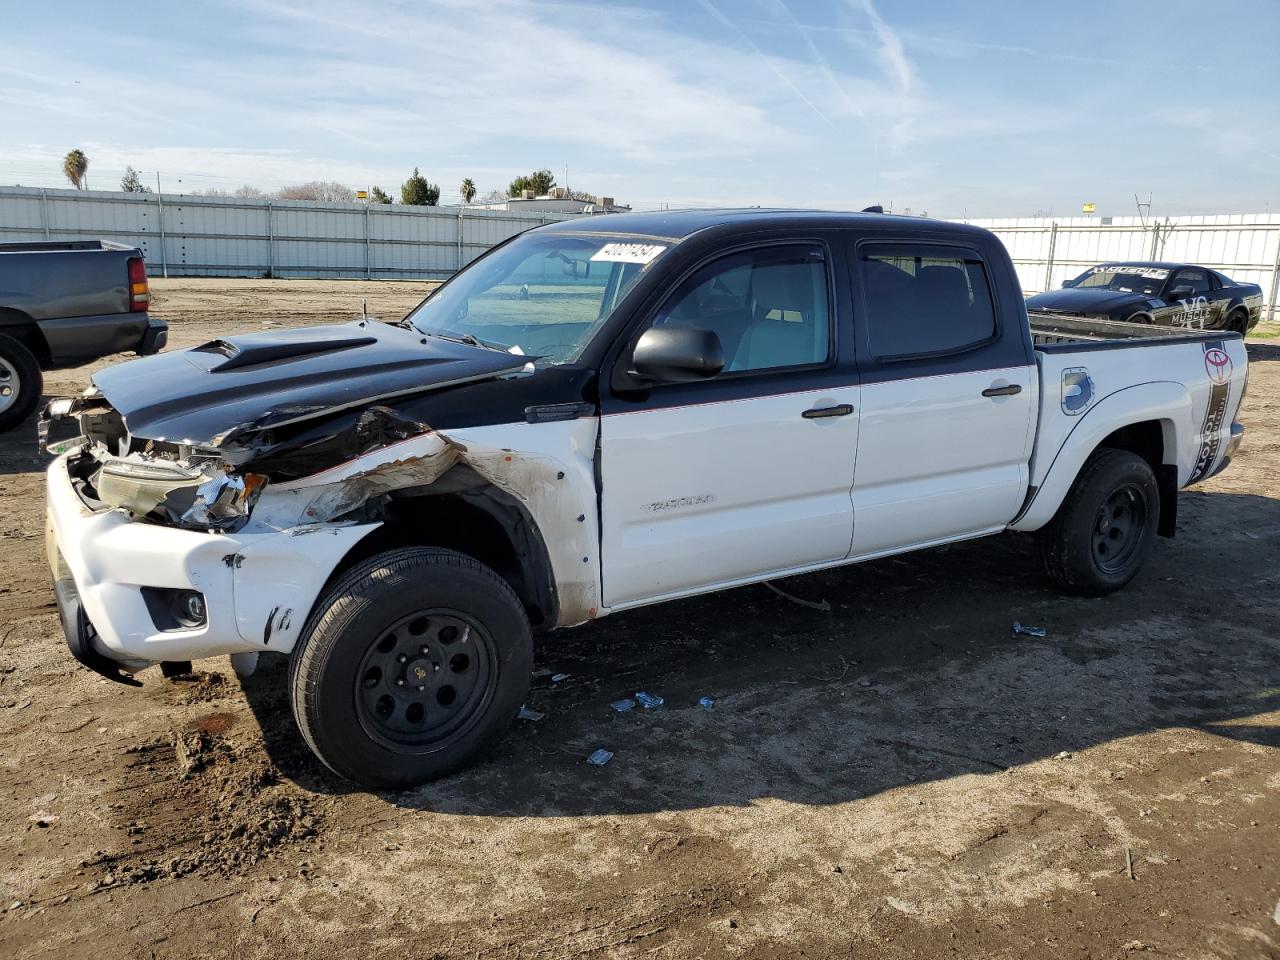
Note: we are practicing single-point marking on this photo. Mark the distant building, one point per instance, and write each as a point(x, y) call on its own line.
point(557, 201)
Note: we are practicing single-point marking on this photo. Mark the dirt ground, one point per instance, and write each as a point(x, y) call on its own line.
point(898, 777)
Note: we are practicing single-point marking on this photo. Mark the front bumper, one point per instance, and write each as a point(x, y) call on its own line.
point(259, 584)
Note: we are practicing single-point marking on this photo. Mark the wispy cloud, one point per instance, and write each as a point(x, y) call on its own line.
point(892, 51)
point(741, 34)
point(768, 101)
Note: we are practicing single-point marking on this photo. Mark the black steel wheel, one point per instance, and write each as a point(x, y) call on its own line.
point(1105, 528)
point(1121, 523)
point(411, 665)
point(425, 679)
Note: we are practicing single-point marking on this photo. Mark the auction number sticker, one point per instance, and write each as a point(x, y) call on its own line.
point(628, 252)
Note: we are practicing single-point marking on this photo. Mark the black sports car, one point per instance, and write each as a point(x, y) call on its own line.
point(1173, 294)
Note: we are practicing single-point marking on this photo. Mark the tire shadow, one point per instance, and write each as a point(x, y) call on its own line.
point(915, 674)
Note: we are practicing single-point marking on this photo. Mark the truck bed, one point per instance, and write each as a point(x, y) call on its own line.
point(1050, 330)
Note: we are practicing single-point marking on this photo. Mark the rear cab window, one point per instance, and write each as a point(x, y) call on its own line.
point(933, 307)
point(924, 300)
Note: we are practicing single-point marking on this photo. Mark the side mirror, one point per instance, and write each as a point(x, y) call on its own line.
point(1181, 292)
point(677, 355)
point(1066, 284)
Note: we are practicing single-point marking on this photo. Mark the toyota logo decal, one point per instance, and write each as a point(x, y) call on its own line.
point(1218, 364)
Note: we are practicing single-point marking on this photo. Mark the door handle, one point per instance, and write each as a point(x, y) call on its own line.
point(817, 413)
point(1011, 390)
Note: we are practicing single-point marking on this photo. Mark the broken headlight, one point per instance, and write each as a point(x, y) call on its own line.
point(200, 497)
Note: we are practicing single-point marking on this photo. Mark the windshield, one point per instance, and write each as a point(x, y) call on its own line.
point(1122, 277)
point(543, 294)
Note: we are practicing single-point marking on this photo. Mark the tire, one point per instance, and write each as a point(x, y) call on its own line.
point(1105, 529)
point(1143, 318)
point(1238, 322)
point(411, 665)
point(21, 383)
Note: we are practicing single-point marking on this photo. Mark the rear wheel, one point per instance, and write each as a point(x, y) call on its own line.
point(20, 382)
point(1238, 322)
point(413, 664)
point(1105, 529)
point(1144, 318)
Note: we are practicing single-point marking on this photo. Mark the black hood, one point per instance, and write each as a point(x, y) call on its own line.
point(238, 385)
point(1085, 300)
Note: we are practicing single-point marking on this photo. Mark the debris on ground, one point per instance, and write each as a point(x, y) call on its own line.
point(648, 700)
point(559, 676)
point(706, 703)
point(812, 605)
point(1065, 755)
point(1029, 631)
point(43, 819)
point(600, 757)
point(623, 705)
point(527, 713)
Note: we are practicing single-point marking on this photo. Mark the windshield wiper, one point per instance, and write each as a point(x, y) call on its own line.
point(469, 340)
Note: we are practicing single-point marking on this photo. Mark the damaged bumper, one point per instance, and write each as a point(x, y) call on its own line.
point(115, 575)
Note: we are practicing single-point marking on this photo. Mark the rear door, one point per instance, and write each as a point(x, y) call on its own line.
point(949, 394)
point(725, 480)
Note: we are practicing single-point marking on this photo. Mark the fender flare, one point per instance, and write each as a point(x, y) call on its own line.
point(1164, 401)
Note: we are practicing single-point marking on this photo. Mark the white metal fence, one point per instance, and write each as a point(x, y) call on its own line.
point(231, 237)
point(1246, 247)
point(225, 236)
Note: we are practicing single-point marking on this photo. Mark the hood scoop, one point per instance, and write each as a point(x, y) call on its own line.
point(237, 353)
point(262, 381)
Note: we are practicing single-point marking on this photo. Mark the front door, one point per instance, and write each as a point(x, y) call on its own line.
point(948, 398)
point(725, 480)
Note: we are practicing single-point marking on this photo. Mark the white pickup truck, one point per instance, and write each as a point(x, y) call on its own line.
point(596, 415)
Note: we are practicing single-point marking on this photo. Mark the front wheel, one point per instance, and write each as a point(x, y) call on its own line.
point(1105, 529)
point(413, 664)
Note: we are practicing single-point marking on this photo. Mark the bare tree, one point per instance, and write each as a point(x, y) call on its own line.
point(329, 191)
point(75, 167)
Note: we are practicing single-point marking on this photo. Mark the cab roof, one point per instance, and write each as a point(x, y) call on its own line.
point(678, 224)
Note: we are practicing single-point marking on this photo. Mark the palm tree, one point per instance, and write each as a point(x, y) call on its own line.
point(468, 190)
point(75, 165)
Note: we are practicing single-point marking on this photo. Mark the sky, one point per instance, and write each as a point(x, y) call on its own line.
point(982, 108)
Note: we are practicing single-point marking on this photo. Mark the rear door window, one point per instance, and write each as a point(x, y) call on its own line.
point(924, 300)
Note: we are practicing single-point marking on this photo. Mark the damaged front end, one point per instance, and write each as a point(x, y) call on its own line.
point(181, 485)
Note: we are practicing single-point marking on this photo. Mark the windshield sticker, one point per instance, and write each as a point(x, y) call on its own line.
point(628, 252)
point(1149, 273)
